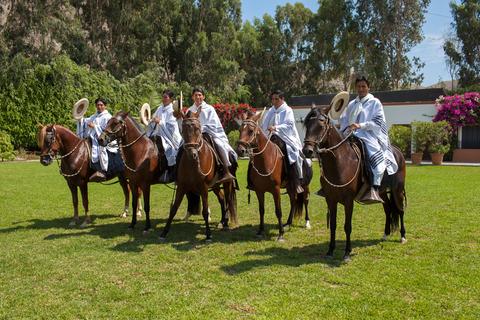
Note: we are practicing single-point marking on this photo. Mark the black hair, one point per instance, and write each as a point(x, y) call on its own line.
point(197, 89)
point(168, 93)
point(362, 78)
point(102, 100)
point(280, 94)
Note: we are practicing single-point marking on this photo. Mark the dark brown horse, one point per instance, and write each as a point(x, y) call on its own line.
point(342, 176)
point(57, 142)
point(198, 172)
point(267, 174)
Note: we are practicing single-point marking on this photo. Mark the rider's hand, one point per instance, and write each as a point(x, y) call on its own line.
point(272, 128)
point(354, 126)
point(156, 119)
point(91, 124)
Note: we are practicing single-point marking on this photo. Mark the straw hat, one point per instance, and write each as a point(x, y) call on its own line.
point(79, 108)
point(338, 105)
point(145, 114)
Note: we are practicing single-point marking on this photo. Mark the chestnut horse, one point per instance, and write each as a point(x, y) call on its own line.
point(198, 172)
point(57, 142)
point(268, 173)
point(342, 176)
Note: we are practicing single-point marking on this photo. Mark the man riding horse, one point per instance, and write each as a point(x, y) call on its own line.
point(92, 128)
point(279, 122)
point(212, 126)
point(163, 129)
point(365, 117)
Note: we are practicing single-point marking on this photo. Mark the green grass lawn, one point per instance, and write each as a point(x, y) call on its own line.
point(48, 270)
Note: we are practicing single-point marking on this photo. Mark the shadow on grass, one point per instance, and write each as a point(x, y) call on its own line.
point(296, 256)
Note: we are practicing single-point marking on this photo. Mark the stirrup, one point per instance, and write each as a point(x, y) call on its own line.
point(97, 176)
point(228, 177)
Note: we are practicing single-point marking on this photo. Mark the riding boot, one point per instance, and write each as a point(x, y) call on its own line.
point(227, 176)
point(98, 176)
point(371, 196)
point(296, 179)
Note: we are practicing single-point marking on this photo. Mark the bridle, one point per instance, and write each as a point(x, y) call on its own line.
point(317, 149)
point(252, 144)
point(197, 146)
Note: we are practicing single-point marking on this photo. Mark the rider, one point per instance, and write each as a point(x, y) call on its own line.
point(92, 128)
point(364, 115)
point(212, 126)
point(279, 121)
point(163, 129)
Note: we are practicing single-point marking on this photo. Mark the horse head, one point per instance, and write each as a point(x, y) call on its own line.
point(48, 143)
point(317, 124)
point(249, 129)
point(115, 129)
point(192, 133)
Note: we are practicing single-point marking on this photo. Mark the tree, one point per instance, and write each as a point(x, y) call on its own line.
point(389, 30)
point(464, 49)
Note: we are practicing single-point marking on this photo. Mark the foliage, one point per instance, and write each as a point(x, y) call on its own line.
point(233, 137)
point(420, 135)
point(459, 110)
point(463, 49)
point(401, 136)
point(52, 271)
point(439, 137)
point(6, 147)
point(231, 114)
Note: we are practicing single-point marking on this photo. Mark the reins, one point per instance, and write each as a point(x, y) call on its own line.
point(198, 146)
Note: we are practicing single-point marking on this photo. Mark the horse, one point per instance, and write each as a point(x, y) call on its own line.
point(342, 177)
point(58, 142)
point(199, 172)
point(142, 158)
point(268, 173)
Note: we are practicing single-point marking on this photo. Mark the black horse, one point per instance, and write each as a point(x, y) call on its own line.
point(342, 176)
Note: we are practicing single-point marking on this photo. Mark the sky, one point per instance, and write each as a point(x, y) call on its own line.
point(436, 27)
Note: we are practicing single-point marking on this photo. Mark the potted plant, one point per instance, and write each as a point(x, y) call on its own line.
point(439, 141)
point(419, 140)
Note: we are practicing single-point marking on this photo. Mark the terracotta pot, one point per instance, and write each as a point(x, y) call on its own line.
point(437, 158)
point(417, 158)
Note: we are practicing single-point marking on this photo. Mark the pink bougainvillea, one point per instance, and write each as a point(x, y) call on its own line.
point(459, 110)
point(229, 112)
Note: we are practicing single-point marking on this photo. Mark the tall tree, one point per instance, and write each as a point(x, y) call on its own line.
point(389, 30)
point(466, 54)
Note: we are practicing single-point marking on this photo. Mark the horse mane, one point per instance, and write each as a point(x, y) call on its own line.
point(42, 132)
point(314, 112)
point(125, 114)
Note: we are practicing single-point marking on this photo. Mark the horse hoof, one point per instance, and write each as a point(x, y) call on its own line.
point(346, 258)
point(139, 214)
point(146, 231)
point(280, 239)
point(208, 239)
point(403, 240)
point(384, 238)
point(329, 256)
point(209, 219)
point(72, 223)
point(308, 226)
point(287, 227)
point(162, 239)
point(84, 224)
point(220, 225)
point(124, 215)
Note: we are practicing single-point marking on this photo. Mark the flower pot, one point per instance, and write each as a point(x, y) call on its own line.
point(417, 158)
point(437, 158)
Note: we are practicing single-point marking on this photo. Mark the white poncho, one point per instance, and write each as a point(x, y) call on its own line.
point(167, 130)
point(368, 113)
point(211, 124)
point(99, 153)
point(284, 121)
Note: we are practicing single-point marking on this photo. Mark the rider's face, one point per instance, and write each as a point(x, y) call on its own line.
point(276, 100)
point(198, 98)
point(100, 106)
point(166, 100)
point(362, 88)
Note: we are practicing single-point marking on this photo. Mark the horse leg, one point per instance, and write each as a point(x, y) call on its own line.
point(261, 209)
point(332, 209)
point(221, 199)
point(231, 201)
point(291, 196)
point(305, 203)
point(348, 229)
point(74, 192)
point(84, 192)
point(126, 194)
point(135, 194)
point(398, 200)
point(278, 213)
point(173, 212)
point(146, 206)
point(139, 208)
point(205, 214)
point(388, 214)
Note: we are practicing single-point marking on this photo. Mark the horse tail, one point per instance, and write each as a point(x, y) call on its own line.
point(193, 203)
point(232, 212)
point(298, 205)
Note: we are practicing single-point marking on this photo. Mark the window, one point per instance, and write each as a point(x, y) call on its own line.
point(471, 137)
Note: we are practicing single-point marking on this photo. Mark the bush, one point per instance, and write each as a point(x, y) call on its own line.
point(401, 136)
point(439, 137)
point(420, 136)
point(6, 147)
point(233, 138)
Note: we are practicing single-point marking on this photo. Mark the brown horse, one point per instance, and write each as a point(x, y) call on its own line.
point(268, 173)
point(198, 172)
point(342, 176)
point(57, 142)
